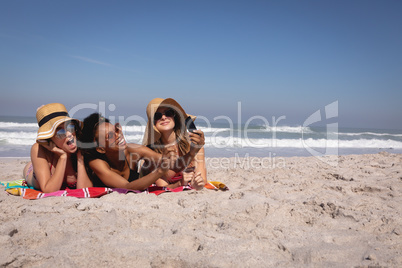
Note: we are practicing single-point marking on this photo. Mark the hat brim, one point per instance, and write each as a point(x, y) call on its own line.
point(48, 130)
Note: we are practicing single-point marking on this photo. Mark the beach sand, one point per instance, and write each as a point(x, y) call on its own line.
point(286, 212)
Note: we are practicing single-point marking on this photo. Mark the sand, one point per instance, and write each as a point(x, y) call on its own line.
point(286, 212)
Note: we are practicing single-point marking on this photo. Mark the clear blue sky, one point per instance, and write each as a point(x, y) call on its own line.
point(279, 58)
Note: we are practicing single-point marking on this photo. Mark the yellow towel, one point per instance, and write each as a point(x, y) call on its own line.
point(216, 185)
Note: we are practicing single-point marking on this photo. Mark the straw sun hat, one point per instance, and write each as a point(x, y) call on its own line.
point(49, 117)
point(151, 134)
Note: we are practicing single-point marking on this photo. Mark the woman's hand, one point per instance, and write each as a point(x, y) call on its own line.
point(51, 146)
point(188, 175)
point(197, 182)
point(197, 138)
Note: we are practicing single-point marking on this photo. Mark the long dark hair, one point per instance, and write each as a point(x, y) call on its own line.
point(87, 142)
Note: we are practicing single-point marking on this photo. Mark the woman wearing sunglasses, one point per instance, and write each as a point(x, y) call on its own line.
point(167, 127)
point(55, 161)
point(114, 163)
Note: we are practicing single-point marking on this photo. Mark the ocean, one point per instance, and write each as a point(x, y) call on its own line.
point(17, 134)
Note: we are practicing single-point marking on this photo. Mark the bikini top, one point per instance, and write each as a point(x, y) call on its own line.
point(134, 175)
point(65, 185)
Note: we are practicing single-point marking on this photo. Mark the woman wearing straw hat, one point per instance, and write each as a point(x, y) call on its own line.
point(166, 127)
point(55, 161)
point(114, 163)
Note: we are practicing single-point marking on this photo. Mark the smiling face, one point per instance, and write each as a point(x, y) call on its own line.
point(110, 137)
point(166, 123)
point(65, 137)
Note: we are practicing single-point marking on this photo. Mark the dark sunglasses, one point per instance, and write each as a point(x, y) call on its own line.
point(62, 133)
point(111, 134)
point(167, 113)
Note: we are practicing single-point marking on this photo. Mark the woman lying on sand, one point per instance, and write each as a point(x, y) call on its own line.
point(114, 163)
point(166, 127)
point(55, 161)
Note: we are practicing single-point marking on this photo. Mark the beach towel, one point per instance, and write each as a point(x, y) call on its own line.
point(18, 189)
point(216, 185)
point(91, 192)
point(15, 184)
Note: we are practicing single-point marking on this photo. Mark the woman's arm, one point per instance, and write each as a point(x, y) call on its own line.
point(200, 166)
point(83, 180)
point(48, 182)
point(177, 164)
point(151, 160)
point(163, 183)
point(197, 142)
point(114, 180)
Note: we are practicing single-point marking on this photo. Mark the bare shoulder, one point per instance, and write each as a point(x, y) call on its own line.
point(38, 151)
point(35, 151)
point(99, 164)
point(35, 148)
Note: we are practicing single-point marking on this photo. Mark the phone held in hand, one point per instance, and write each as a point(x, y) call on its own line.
point(189, 169)
point(190, 125)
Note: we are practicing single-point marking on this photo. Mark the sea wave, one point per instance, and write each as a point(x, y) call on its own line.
point(134, 138)
point(13, 137)
point(206, 130)
point(134, 129)
point(288, 129)
point(17, 125)
point(215, 130)
point(21, 141)
point(235, 142)
point(369, 134)
point(24, 134)
point(28, 138)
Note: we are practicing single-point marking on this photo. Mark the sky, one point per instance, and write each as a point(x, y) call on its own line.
point(272, 59)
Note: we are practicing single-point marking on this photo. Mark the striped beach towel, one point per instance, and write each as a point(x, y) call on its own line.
point(90, 192)
point(18, 189)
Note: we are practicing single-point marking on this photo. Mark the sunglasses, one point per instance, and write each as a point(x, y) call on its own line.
point(167, 113)
point(62, 133)
point(112, 134)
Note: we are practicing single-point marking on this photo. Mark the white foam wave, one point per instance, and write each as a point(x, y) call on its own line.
point(134, 129)
point(135, 134)
point(18, 134)
point(134, 138)
point(21, 141)
point(370, 133)
point(141, 129)
point(18, 138)
point(17, 125)
point(287, 129)
point(215, 130)
point(234, 142)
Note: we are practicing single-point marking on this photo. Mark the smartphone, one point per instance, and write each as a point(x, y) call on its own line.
point(190, 124)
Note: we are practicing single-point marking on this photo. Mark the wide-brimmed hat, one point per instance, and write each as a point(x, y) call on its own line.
point(151, 134)
point(49, 117)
